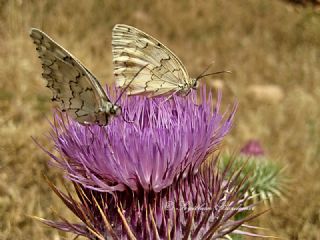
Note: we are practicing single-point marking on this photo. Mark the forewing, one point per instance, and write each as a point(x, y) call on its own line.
point(132, 50)
point(74, 87)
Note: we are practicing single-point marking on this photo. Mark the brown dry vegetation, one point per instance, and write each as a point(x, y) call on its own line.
point(266, 43)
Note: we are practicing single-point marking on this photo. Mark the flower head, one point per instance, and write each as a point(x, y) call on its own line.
point(149, 179)
point(252, 148)
point(266, 176)
point(166, 140)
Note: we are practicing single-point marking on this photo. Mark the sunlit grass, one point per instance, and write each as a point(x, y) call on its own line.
point(263, 42)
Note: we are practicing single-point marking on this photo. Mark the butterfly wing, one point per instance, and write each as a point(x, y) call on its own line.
point(133, 49)
point(74, 87)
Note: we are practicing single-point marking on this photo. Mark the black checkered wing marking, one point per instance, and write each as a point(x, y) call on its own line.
point(74, 87)
point(133, 49)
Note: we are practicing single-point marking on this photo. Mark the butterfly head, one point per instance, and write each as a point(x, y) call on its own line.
point(194, 83)
point(115, 110)
point(106, 112)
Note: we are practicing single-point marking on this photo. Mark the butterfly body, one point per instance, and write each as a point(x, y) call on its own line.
point(74, 87)
point(104, 114)
point(186, 88)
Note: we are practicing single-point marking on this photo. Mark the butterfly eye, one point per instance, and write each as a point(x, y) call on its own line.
point(195, 84)
point(118, 111)
point(112, 111)
point(115, 110)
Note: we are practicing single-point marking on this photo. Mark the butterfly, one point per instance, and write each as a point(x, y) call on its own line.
point(74, 87)
point(163, 72)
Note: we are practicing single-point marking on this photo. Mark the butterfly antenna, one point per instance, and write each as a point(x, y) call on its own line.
point(128, 85)
point(214, 73)
point(202, 75)
point(206, 69)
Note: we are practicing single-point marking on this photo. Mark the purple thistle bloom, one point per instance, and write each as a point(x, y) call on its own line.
point(252, 148)
point(166, 140)
point(149, 179)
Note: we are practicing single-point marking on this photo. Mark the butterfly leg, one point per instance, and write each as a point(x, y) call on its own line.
point(187, 93)
point(126, 120)
point(170, 96)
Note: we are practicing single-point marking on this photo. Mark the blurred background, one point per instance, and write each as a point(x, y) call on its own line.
point(272, 48)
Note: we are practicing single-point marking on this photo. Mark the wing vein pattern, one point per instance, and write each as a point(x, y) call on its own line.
point(133, 49)
point(74, 87)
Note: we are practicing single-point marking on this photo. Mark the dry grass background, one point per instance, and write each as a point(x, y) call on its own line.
point(272, 48)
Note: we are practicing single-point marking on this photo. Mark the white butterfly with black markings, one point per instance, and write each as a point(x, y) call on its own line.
point(74, 87)
point(163, 72)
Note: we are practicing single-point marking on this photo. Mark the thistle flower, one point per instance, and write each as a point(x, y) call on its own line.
point(267, 180)
point(166, 140)
point(149, 179)
point(252, 148)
